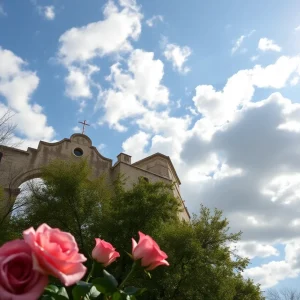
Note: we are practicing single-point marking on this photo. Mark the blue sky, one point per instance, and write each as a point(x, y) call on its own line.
point(214, 85)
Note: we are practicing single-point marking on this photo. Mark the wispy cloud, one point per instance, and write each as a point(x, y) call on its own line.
point(238, 43)
point(297, 28)
point(254, 57)
point(2, 11)
point(154, 20)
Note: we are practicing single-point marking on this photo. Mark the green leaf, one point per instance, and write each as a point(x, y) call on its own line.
point(51, 288)
point(148, 274)
point(47, 297)
point(94, 293)
point(105, 285)
point(84, 290)
point(118, 296)
point(110, 277)
point(53, 292)
point(62, 292)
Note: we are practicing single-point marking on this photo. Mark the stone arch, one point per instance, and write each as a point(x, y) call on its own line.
point(18, 166)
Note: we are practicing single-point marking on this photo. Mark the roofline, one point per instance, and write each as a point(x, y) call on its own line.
point(147, 171)
point(161, 155)
point(124, 154)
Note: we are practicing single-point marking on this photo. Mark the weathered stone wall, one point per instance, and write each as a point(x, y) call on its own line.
point(18, 166)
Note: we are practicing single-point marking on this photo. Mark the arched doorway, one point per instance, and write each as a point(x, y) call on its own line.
point(18, 166)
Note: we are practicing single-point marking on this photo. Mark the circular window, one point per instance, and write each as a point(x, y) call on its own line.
point(78, 152)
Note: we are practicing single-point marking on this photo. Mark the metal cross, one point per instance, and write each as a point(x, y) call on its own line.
point(83, 125)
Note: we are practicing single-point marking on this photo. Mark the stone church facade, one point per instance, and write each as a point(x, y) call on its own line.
point(18, 166)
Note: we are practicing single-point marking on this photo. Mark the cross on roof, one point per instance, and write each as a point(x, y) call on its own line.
point(83, 125)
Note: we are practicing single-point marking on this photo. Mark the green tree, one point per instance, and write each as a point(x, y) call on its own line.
point(146, 207)
point(68, 199)
point(202, 265)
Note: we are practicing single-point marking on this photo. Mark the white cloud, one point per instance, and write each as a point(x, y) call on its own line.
point(76, 129)
point(2, 11)
point(238, 43)
point(268, 275)
point(262, 199)
point(242, 157)
point(49, 12)
point(178, 56)
point(17, 85)
point(162, 122)
point(253, 249)
point(136, 144)
point(254, 57)
point(104, 37)
point(220, 107)
point(110, 36)
point(154, 20)
point(101, 147)
point(294, 81)
point(133, 90)
point(78, 81)
point(266, 44)
point(297, 28)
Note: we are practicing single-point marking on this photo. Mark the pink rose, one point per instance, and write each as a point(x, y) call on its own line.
point(18, 279)
point(55, 253)
point(149, 252)
point(104, 252)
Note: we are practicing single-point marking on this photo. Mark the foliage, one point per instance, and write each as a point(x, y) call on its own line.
point(202, 265)
point(67, 199)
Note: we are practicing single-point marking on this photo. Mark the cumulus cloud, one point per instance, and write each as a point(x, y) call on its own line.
point(154, 20)
point(178, 56)
point(17, 85)
point(220, 107)
point(270, 274)
point(112, 35)
point(130, 145)
point(266, 44)
point(253, 249)
point(104, 37)
point(134, 89)
point(78, 81)
point(261, 197)
point(241, 157)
